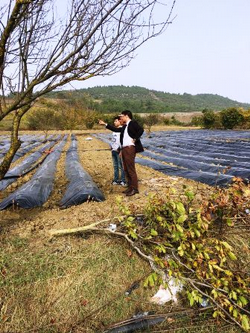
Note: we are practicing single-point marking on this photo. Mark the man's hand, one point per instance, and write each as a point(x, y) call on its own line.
point(101, 122)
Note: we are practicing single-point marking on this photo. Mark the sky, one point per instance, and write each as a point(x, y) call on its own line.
point(205, 50)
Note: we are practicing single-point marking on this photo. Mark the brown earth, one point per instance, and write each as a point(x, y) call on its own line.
point(96, 159)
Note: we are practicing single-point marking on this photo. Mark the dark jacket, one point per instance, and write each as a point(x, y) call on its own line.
point(135, 131)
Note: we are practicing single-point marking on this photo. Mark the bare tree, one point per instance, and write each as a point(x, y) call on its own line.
point(43, 48)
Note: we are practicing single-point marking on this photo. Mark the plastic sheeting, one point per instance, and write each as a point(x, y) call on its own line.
point(22, 168)
point(203, 177)
point(81, 187)
point(27, 146)
point(211, 157)
point(36, 191)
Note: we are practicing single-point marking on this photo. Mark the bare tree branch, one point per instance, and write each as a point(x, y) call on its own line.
point(44, 46)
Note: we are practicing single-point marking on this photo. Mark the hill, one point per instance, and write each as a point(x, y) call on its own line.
point(139, 99)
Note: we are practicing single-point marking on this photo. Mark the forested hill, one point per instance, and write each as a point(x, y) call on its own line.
point(138, 99)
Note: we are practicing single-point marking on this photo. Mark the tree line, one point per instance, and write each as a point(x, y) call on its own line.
point(110, 99)
point(80, 114)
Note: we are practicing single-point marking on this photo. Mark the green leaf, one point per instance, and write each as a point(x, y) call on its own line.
point(191, 300)
point(226, 245)
point(218, 268)
point(197, 232)
point(233, 295)
point(150, 280)
point(180, 208)
point(232, 256)
point(179, 228)
point(215, 314)
point(154, 232)
point(182, 218)
point(190, 195)
point(181, 253)
point(206, 255)
point(133, 234)
point(214, 292)
point(235, 313)
point(243, 300)
point(229, 222)
point(228, 273)
point(159, 218)
point(245, 322)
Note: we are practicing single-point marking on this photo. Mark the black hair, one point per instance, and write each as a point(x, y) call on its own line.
point(127, 113)
point(117, 117)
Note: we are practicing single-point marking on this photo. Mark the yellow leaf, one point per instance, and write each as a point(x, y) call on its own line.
point(232, 256)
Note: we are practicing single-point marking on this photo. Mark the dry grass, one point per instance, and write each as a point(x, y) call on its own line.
point(76, 284)
point(67, 283)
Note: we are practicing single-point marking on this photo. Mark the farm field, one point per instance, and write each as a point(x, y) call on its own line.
point(211, 157)
point(77, 283)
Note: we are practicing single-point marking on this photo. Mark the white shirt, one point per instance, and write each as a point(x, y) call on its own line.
point(127, 140)
point(115, 141)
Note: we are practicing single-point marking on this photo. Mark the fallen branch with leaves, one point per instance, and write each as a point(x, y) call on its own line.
point(179, 241)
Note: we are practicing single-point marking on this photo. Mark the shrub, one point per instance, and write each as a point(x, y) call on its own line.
point(175, 121)
point(90, 118)
point(196, 121)
point(208, 118)
point(231, 118)
point(166, 121)
point(150, 120)
point(44, 119)
point(139, 119)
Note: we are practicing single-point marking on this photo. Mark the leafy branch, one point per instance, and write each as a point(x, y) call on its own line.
point(177, 235)
point(178, 240)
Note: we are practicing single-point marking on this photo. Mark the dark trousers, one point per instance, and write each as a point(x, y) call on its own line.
point(117, 164)
point(128, 158)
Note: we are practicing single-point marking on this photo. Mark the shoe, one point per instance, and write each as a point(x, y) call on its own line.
point(115, 183)
point(123, 183)
point(127, 190)
point(132, 192)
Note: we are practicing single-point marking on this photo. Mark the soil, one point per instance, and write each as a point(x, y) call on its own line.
point(96, 159)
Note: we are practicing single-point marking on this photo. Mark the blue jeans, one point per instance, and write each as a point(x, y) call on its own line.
point(117, 164)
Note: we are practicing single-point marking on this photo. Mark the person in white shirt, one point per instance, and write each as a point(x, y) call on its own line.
point(119, 175)
point(131, 144)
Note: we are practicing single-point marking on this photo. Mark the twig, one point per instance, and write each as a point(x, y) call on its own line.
point(218, 305)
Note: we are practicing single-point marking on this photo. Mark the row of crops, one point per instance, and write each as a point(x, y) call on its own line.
point(210, 157)
point(37, 190)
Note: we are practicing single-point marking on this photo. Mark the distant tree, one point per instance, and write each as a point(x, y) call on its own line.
point(208, 118)
point(41, 50)
point(196, 121)
point(90, 118)
point(246, 122)
point(231, 118)
point(44, 119)
point(139, 119)
point(166, 121)
point(174, 121)
point(150, 120)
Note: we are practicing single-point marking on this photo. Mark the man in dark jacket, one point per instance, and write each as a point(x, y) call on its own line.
point(131, 144)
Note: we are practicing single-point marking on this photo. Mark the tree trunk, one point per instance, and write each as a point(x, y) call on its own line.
point(14, 146)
